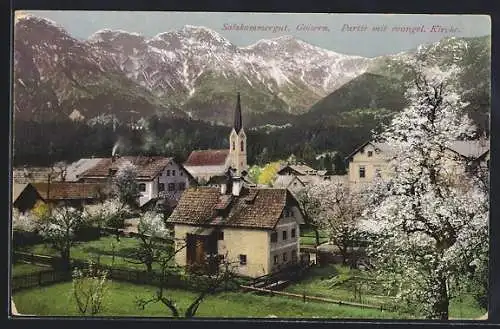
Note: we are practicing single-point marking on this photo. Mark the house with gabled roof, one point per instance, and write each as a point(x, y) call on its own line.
point(74, 194)
point(25, 197)
point(371, 159)
point(158, 177)
point(255, 228)
point(205, 164)
point(297, 170)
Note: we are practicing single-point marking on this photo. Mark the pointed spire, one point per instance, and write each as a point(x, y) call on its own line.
point(238, 124)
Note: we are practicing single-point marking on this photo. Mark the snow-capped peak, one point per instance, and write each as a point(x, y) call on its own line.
point(106, 34)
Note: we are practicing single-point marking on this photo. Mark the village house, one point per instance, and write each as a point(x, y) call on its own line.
point(205, 164)
point(158, 177)
point(59, 172)
point(25, 197)
point(371, 159)
point(71, 194)
point(257, 229)
point(297, 170)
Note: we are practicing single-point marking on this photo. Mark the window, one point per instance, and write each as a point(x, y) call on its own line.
point(220, 235)
point(142, 187)
point(274, 237)
point(181, 173)
point(362, 172)
point(294, 255)
point(160, 174)
point(284, 235)
point(292, 235)
point(173, 172)
point(377, 172)
point(161, 187)
point(370, 153)
point(243, 259)
point(168, 172)
point(242, 146)
point(275, 259)
point(234, 146)
point(285, 257)
point(182, 186)
point(171, 186)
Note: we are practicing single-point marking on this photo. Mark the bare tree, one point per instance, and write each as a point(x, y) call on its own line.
point(207, 283)
point(89, 287)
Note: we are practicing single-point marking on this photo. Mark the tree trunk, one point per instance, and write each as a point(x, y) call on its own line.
point(149, 267)
point(316, 232)
point(440, 307)
point(65, 257)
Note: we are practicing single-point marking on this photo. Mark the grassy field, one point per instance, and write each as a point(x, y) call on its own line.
point(318, 283)
point(101, 248)
point(57, 300)
point(308, 237)
point(19, 269)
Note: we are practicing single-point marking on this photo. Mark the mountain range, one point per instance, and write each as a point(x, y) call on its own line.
point(194, 73)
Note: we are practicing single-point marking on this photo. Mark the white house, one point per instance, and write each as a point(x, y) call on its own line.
point(158, 177)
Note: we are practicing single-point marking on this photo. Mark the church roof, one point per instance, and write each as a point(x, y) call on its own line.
point(259, 208)
point(238, 123)
point(207, 158)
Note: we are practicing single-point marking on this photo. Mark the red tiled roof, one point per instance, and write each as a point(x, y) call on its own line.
point(207, 158)
point(70, 190)
point(254, 208)
point(147, 167)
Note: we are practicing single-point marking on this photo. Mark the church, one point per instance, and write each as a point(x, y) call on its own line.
point(205, 165)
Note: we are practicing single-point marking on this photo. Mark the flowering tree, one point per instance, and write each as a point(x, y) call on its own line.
point(89, 287)
point(125, 185)
point(109, 213)
point(339, 210)
point(430, 217)
point(310, 203)
point(59, 227)
point(155, 240)
point(23, 222)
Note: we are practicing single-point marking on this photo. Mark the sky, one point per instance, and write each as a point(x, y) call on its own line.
point(353, 34)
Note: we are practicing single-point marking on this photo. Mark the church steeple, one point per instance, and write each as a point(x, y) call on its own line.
point(238, 123)
point(238, 142)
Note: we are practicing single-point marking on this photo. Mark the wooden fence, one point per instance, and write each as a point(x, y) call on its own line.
point(37, 279)
point(119, 274)
point(305, 298)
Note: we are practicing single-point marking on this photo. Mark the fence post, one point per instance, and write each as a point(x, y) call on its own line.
point(39, 278)
point(304, 296)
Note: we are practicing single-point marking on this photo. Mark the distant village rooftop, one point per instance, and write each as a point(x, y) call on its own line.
point(207, 158)
point(147, 167)
point(70, 190)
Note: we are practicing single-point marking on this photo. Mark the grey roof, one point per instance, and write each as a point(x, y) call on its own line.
point(284, 181)
point(470, 149)
point(78, 167)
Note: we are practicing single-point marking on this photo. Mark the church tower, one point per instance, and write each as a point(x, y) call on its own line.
point(238, 142)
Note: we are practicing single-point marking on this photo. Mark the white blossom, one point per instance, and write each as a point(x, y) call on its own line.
point(430, 218)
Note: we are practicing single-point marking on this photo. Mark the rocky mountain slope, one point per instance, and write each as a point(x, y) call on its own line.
point(195, 73)
point(193, 69)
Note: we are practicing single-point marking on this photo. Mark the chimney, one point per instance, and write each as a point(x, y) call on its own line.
point(223, 188)
point(237, 184)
